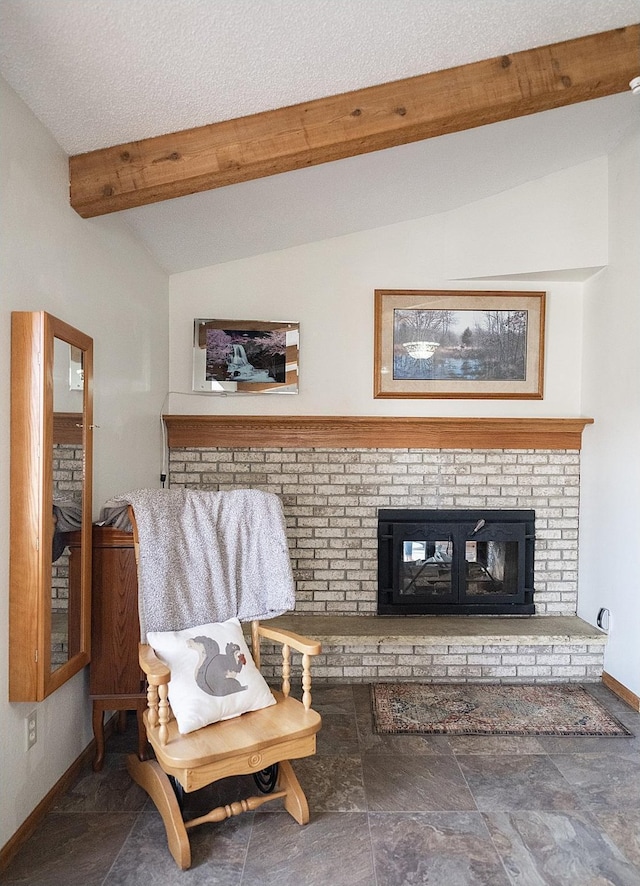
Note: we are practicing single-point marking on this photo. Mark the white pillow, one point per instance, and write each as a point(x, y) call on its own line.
point(213, 676)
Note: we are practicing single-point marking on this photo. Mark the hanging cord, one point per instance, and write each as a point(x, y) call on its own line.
point(164, 458)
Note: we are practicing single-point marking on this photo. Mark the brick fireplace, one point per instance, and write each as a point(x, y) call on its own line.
point(331, 496)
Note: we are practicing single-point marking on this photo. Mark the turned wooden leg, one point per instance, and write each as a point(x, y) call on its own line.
point(98, 734)
point(155, 782)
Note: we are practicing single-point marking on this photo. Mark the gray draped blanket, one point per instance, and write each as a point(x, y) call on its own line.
point(67, 517)
point(209, 556)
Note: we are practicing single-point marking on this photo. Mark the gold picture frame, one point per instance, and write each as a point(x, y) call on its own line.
point(459, 344)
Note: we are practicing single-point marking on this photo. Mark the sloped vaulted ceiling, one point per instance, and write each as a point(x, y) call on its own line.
point(100, 73)
point(354, 123)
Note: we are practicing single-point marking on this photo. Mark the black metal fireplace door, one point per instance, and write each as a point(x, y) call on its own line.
point(455, 562)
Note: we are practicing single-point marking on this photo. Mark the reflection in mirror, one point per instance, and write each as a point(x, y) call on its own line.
point(67, 473)
point(50, 521)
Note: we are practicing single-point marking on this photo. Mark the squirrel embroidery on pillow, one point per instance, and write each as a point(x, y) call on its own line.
point(215, 670)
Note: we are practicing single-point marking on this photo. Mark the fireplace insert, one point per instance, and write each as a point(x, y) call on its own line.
point(455, 562)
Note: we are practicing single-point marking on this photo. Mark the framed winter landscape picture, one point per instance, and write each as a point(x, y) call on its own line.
point(459, 344)
point(245, 356)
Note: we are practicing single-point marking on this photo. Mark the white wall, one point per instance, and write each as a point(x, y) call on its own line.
point(543, 227)
point(93, 275)
point(584, 217)
point(610, 514)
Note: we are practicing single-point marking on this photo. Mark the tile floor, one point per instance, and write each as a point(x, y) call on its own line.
point(385, 811)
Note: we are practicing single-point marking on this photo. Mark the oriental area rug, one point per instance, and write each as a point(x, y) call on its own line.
point(488, 709)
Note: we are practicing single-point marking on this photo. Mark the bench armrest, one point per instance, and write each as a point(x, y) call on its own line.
point(156, 670)
point(288, 638)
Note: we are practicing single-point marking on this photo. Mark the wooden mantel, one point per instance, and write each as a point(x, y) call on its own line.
point(373, 432)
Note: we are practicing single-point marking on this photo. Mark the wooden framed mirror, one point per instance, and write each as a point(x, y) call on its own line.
point(50, 498)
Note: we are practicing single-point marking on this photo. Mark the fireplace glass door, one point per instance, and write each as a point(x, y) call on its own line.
point(425, 562)
point(471, 563)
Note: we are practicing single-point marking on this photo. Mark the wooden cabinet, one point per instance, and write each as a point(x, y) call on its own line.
point(116, 681)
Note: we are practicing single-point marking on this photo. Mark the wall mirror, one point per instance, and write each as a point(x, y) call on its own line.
point(50, 521)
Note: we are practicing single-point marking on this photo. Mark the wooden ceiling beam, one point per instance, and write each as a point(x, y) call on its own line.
point(430, 105)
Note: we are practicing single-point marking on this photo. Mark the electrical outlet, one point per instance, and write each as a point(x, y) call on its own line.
point(31, 722)
point(603, 620)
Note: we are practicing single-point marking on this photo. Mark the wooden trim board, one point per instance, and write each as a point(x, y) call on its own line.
point(67, 427)
point(28, 826)
point(621, 691)
point(372, 432)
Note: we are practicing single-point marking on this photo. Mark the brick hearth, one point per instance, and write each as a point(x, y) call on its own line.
point(456, 649)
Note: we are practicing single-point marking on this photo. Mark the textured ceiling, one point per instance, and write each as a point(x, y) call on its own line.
point(101, 72)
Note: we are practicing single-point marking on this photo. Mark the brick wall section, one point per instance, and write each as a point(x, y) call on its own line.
point(472, 662)
point(331, 498)
point(68, 473)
